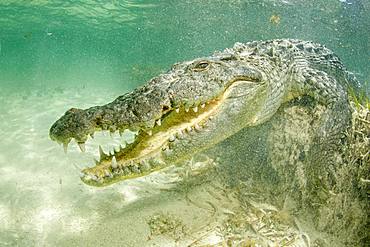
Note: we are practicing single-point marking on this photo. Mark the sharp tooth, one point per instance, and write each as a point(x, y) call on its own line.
point(149, 124)
point(65, 147)
point(197, 127)
point(92, 135)
point(172, 138)
point(156, 162)
point(124, 170)
point(203, 105)
point(101, 152)
point(195, 109)
point(135, 168)
point(177, 110)
point(179, 134)
point(150, 132)
point(81, 145)
point(124, 144)
point(117, 149)
point(93, 177)
point(189, 129)
point(144, 166)
point(107, 173)
point(96, 161)
point(187, 109)
point(114, 163)
point(167, 152)
point(171, 145)
point(159, 123)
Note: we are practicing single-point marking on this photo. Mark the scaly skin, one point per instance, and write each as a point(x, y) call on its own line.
point(240, 87)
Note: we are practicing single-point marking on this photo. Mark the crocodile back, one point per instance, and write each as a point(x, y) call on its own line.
point(295, 68)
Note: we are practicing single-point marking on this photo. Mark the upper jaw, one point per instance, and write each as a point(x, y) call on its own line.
point(135, 111)
point(75, 123)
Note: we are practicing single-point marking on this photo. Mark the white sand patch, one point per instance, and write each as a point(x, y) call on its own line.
point(5, 217)
point(44, 218)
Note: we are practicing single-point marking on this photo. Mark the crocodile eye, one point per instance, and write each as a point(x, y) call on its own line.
point(201, 66)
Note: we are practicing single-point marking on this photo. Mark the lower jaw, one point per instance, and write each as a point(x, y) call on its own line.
point(106, 174)
point(109, 172)
point(117, 178)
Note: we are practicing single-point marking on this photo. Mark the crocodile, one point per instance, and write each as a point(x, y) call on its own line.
point(199, 103)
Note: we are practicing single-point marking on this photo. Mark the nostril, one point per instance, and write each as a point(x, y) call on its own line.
point(165, 108)
point(72, 110)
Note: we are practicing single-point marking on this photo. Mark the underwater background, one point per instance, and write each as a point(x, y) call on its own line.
point(55, 55)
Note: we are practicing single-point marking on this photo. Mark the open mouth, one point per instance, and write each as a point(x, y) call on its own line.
point(153, 147)
point(171, 126)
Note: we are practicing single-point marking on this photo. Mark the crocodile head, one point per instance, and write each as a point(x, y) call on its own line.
point(194, 105)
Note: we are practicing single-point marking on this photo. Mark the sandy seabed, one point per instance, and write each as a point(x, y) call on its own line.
point(44, 203)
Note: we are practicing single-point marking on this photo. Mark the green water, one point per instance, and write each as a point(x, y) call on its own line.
point(123, 43)
point(60, 54)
